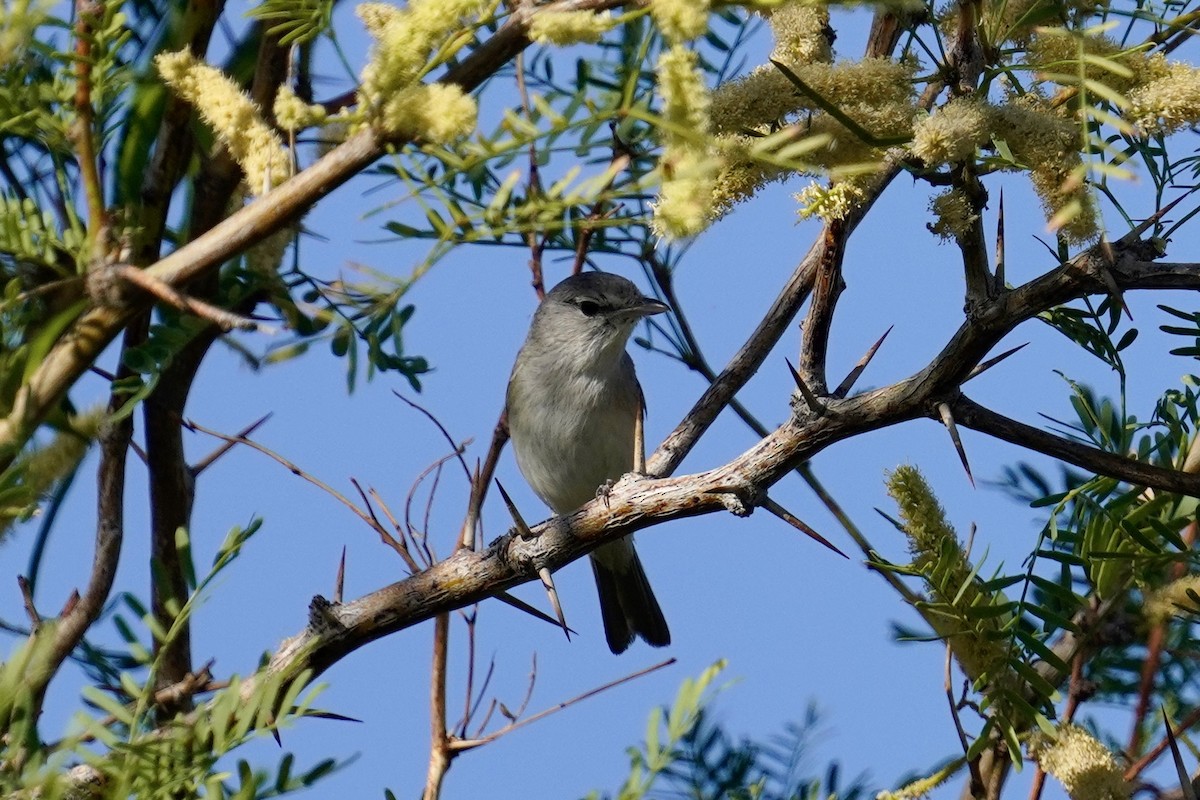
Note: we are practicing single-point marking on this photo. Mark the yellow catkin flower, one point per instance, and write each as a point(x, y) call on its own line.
point(404, 41)
point(766, 95)
point(1168, 103)
point(1049, 145)
point(1163, 603)
point(686, 100)
point(437, 113)
point(921, 787)
point(376, 17)
point(235, 119)
point(802, 33)
point(954, 215)
point(1056, 50)
point(831, 202)
point(937, 554)
point(685, 201)
point(1085, 768)
point(684, 206)
point(741, 175)
point(680, 20)
point(293, 114)
point(952, 133)
point(551, 27)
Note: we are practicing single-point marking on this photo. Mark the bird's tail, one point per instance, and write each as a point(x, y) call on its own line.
point(627, 603)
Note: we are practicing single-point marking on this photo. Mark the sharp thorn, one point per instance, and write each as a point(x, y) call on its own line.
point(991, 362)
point(948, 421)
point(1110, 282)
point(1136, 234)
point(811, 399)
point(1000, 280)
point(521, 605)
point(846, 385)
point(548, 584)
point(340, 581)
point(800, 525)
point(522, 528)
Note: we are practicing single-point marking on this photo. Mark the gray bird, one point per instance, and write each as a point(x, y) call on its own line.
point(573, 403)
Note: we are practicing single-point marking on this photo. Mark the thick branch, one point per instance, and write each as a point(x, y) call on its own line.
point(636, 503)
point(969, 413)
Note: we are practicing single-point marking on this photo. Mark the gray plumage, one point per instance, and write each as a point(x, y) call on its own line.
point(573, 401)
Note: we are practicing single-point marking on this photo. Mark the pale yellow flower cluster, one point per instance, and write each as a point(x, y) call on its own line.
point(1085, 768)
point(684, 206)
point(1162, 604)
point(404, 41)
point(1048, 144)
point(1169, 102)
point(293, 114)
point(1057, 50)
point(952, 133)
point(435, 112)
point(831, 202)
point(741, 176)
point(954, 215)
point(876, 93)
point(680, 20)
point(550, 27)
point(802, 33)
point(235, 119)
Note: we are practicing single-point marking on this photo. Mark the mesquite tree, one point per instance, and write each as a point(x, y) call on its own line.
point(154, 187)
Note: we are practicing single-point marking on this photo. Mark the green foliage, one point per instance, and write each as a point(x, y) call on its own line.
point(294, 22)
point(125, 746)
point(687, 754)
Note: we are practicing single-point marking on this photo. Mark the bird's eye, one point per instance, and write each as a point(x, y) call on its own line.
point(589, 308)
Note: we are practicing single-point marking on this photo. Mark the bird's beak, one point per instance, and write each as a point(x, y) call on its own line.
point(648, 307)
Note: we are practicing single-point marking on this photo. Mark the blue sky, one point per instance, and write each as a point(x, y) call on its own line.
point(797, 624)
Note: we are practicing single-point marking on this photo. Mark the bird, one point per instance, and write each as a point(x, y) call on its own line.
point(573, 405)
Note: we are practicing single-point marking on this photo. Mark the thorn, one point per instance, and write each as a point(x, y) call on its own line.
point(1135, 235)
point(35, 619)
point(139, 452)
point(991, 362)
point(846, 385)
point(1180, 769)
point(340, 581)
point(227, 445)
point(1110, 283)
point(522, 528)
point(467, 539)
point(548, 583)
point(799, 524)
point(69, 605)
point(1000, 285)
point(521, 605)
point(948, 421)
point(811, 399)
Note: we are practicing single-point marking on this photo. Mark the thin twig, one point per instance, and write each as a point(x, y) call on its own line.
point(225, 447)
point(470, 744)
point(223, 319)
